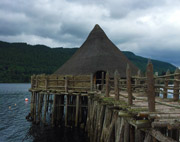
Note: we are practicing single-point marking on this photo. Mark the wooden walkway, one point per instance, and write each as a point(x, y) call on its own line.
point(77, 101)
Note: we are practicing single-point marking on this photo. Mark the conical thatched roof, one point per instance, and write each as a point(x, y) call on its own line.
point(97, 53)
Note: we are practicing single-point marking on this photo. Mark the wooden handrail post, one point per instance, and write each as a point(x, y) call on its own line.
point(32, 81)
point(37, 81)
point(46, 82)
point(176, 86)
point(116, 84)
point(137, 80)
point(102, 81)
point(92, 85)
point(128, 83)
point(156, 80)
point(107, 84)
point(166, 82)
point(150, 87)
point(66, 84)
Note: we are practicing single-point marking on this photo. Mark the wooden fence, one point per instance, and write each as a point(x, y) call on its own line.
point(151, 84)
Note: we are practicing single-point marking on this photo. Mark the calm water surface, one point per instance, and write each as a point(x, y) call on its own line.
point(15, 128)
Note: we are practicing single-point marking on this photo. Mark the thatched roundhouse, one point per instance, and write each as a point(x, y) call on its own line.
point(96, 55)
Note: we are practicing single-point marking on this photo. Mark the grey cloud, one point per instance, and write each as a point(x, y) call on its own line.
point(144, 27)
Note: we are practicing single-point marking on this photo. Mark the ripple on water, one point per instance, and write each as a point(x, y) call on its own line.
point(15, 128)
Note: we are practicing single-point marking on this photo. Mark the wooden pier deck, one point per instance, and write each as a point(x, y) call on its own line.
point(134, 109)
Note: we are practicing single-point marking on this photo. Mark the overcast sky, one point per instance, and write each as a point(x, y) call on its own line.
point(149, 28)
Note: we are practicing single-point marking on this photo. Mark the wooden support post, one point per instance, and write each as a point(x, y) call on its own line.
point(107, 84)
point(128, 83)
point(45, 108)
point(32, 105)
point(102, 81)
point(166, 82)
point(66, 84)
point(116, 85)
point(54, 111)
point(40, 101)
point(150, 87)
point(77, 110)
point(66, 110)
point(91, 83)
point(132, 134)
point(176, 86)
point(35, 101)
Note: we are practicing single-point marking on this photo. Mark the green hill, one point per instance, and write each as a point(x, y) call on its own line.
point(18, 61)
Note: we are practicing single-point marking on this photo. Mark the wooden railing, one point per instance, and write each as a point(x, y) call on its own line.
point(151, 84)
point(60, 83)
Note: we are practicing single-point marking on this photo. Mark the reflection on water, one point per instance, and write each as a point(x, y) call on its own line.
point(15, 128)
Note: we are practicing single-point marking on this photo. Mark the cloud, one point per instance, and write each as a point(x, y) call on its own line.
point(148, 28)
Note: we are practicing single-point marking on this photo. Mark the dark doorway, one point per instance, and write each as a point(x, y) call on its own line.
point(99, 79)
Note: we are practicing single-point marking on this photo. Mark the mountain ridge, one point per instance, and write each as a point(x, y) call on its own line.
point(18, 61)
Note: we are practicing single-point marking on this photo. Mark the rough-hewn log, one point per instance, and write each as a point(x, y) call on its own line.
point(116, 85)
point(176, 86)
point(150, 87)
point(139, 135)
point(126, 131)
point(148, 138)
point(128, 82)
point(160, 137)
point(132, 134)
point(107, 84)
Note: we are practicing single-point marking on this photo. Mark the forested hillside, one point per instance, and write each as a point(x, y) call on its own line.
point(18, 61)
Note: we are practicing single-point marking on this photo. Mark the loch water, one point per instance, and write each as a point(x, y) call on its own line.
point(15, 128)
